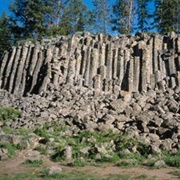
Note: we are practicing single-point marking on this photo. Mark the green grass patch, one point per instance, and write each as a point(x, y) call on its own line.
point(118, 177)
point(11, 149)
point(176, 173)
point(19, 176)
point(34, 162)
point(75, 175)
point(172, 159)
point(7, 114)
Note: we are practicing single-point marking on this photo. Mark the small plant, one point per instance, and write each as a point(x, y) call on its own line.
point(142, 177)
point(19, 176)
point(127, 163)
point(124, 142)
point(78, 163)
point(172, 159)
point(7, 114)
point(176, 173)
point(34, 163)
point(11, 149)
point(119, 177)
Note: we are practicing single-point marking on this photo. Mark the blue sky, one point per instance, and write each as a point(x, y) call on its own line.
point(5, 3)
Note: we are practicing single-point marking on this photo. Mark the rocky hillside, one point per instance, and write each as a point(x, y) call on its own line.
point(128, 84)
point(110, 64)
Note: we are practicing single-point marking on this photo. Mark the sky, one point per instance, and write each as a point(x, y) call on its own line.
point(5, 3)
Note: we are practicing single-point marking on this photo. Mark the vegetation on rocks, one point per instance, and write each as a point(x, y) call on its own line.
point(7, 114)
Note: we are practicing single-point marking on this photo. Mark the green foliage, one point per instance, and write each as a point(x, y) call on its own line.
point(123, 11)
point(127, 163)
point(166, 16)
point(119, 177)
point(176, 173)
point(28, 19)
point(143, 15)
point(142, 177)
point(124, 142)
point(19, 176)
point(34, 162)
point(11, 149)
point(7, 114)
point(75, 17)
point(78, 175)
point(172, 159)
point(5, 34)
point(79, 162)
point(102, 12)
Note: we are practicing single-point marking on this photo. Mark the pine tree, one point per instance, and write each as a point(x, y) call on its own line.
point(55, 17)
point(123, 11)
point(5, 33)
point(102, 14)
point(167, 15)
point(75, 16)
point(143, 15)
point(28, 18)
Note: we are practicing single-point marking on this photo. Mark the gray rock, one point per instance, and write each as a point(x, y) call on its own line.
point(159, 163)
point(54, 170)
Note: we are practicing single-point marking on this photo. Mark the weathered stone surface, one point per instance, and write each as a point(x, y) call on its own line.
point(134, 63)
point(96, 83)
point(54, 170)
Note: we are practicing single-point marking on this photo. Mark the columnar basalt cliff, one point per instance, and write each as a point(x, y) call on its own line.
point(128, 84)
point(110, 64)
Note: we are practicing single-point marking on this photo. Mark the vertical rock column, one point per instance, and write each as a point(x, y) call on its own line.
point(47, 67)
point(93, 66)
point(155, 53)
point(109, 61)
point(136, 74)
point(37, 58)
point(13, 75)
point(71, 70)
point(120, 66)
point(25, 76)
point(6, 68)
point(18, 86)
point(87, 58)
point(143, 70)
point(130, 75)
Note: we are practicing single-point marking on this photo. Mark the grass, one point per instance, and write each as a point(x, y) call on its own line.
point(34, 163)
point(7, 114)
point(118, 177)
point(172, 159)
point(19, 176)
point(75, 175)
point(176, 173)
point(141, 177)
point(11, 149)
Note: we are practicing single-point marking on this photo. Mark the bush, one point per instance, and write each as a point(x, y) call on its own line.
point(172, 159)
point(9, 113)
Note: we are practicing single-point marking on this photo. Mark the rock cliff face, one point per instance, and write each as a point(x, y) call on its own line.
point(110, 64)
point(127, 84)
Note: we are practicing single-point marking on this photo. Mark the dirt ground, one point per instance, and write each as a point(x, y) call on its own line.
point(14, 166)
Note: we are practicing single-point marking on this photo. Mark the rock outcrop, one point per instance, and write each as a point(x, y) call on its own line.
point(89, 82)
point(110, 64)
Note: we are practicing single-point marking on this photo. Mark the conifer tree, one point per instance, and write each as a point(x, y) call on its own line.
point(123, 11)
point(143, 15)
point(75, 16)
point(102, 14)
point(28, 18)
point(5, 33)
point(167, 13)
